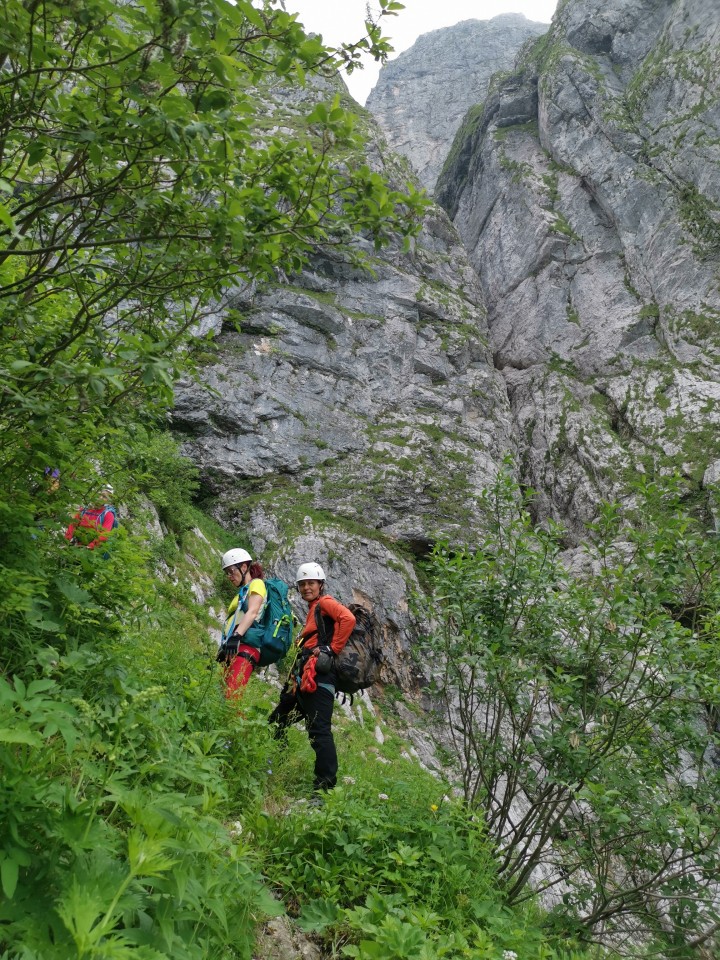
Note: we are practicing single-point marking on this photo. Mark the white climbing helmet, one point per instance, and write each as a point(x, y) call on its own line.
point(309, 571)
point(237, 555)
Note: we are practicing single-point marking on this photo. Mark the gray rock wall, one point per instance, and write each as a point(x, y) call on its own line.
point(374, 397)
point(588, 197)
point(422, 96)
point(576, 329)
point(354, 417)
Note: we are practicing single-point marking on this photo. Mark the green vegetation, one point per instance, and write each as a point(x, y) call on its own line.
point(539, 52)
point(701, 216)
point(133, 188)
point(144, 817)
point(572, 313)
point(405, 877)
point(435, 293)
point(649, 311)
point(703, 328)
point(520, 170)
point(697, 67)
point(530, 127)
point(141, 816)
point(114, 751)
point(561, 225)
point(112, 840)
point(464, 136)
point(575, 696)
point(551, 183)
point(112, 254)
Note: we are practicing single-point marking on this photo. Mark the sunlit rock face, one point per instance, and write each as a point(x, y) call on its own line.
point(588, 195)
point(422, 96)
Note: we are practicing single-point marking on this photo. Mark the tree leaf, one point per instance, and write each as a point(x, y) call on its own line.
point(9, 872)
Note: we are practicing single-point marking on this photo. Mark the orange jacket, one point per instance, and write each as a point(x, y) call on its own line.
point(344, 623)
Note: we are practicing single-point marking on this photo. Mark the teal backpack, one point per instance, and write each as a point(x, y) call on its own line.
point(277, 623)
point(273, 634)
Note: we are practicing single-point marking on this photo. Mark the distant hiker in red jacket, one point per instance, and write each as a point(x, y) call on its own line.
point(92, 525)
point(309, 693)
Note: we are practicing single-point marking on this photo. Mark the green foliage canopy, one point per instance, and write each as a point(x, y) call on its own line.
point(141, 175)
point(114, 789)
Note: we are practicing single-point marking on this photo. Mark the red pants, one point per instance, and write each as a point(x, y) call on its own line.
point(238, 671)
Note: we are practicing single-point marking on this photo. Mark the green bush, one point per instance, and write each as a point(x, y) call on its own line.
point(395, 876)
point(579, 706)
point(112, 802)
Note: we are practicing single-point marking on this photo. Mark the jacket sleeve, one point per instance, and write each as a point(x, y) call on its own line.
point(344, 621)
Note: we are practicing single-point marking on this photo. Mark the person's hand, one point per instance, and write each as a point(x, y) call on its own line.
point(228, 649)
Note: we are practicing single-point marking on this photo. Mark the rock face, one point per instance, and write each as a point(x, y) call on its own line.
point(354, 418)
point(588, 195)
point(422, 96)
point(352, 421)
point(375, 395)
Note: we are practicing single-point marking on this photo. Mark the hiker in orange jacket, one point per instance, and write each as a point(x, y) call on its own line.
point(309, 694)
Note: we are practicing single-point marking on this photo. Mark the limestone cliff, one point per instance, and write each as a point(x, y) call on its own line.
point(421, 97)
point(587, 192)
point(355, 415)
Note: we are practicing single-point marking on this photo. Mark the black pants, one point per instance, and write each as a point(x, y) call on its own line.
point(316, 710)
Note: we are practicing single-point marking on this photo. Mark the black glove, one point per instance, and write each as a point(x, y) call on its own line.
point(325, 660)
point(227, 650)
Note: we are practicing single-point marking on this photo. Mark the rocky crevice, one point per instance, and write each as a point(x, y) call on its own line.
point(422, 96)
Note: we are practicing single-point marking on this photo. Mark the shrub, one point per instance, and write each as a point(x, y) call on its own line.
point(577, 703)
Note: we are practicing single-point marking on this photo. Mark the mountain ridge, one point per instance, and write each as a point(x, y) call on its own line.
point(422, 95)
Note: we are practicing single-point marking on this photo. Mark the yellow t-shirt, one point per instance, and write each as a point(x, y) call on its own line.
point(255, 586)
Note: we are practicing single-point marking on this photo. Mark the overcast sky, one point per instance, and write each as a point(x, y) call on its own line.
point(342, 20)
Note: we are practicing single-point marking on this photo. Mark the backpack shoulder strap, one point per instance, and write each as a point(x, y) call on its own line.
point(242, 597)
point(229, 632)
point(320, 623)
point(104, 512)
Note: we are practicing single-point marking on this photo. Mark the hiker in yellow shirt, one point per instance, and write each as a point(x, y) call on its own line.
point(242, 634)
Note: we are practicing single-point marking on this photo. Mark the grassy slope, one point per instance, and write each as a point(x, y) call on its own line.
point(389, 857)
point(125, 774)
